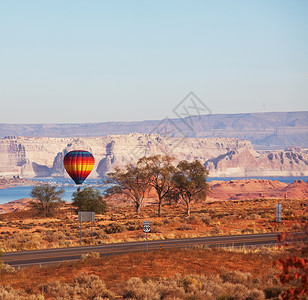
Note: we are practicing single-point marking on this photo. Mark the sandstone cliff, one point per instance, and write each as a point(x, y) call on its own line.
point(42, 157)
point(271, 130)
point(244, 162)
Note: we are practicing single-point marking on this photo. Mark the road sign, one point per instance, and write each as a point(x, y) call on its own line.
point(86, 216)
point(278, 213)
point(146, 226)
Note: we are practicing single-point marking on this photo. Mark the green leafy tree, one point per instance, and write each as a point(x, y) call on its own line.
point(159, 170)
point(131, 181)
point(49, 199)
point(190, 182)
point(89, 199)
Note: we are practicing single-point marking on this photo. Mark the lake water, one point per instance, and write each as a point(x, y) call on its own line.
point(14, 193)
point(10, 194)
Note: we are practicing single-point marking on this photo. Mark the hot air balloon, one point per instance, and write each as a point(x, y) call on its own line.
point(78, 164)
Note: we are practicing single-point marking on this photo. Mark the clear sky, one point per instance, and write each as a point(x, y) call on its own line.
point(96, 61)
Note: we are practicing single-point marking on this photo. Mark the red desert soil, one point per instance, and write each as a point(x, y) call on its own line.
point(257, 189)
point(244, 189)
point(16, 205)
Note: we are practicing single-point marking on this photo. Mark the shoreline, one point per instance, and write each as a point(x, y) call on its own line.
point(11, 182)
point(16, 182)
point(220, 190)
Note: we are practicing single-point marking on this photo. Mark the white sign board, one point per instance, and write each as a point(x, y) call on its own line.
point(86, 216)
point(146, 226)
point(278, 213)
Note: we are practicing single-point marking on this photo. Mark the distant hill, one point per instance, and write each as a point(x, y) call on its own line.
point(272, 130)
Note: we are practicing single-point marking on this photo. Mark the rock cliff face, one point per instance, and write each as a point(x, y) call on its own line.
point(244, 162)
point(42, 157)
point(271, 130)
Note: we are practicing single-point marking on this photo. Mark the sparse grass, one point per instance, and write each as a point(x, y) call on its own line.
point(165, 274)
point(196, 273)
point(24, 231)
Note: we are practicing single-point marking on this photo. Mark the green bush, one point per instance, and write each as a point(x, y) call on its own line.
point(89, 199)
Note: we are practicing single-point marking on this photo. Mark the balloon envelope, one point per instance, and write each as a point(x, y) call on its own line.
point(78, 164)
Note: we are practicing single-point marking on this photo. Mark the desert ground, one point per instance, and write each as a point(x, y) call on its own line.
point(166, 274)
point(232, 207)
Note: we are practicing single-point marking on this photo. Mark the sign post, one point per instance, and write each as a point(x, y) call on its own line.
point(86, 216)
point(146, 229)
point(278, 213)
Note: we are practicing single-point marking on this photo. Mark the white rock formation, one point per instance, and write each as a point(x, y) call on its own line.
point(31, 157)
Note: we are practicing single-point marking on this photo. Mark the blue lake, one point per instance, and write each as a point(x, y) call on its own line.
point(10, 194)
point(14, 193)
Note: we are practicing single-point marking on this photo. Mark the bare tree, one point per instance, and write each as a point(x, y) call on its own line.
point(49, 199)
point(190, 182)
point(132, 182)
point(159, 170)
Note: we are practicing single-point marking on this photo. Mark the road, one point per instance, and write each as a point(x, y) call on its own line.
point(47, 256)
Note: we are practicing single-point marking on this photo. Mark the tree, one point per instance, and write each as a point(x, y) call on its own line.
point(159, 171)
point(190, 182)
point(132, 182)
point(49, 199)
point(89, 199)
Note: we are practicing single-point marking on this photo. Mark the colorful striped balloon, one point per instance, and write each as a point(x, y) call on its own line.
point(78, 164)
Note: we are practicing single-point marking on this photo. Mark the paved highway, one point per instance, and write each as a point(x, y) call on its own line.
point(47, 256)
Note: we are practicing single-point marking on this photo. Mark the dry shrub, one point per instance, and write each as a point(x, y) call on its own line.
point(134, 225)
point(215, 230)
point(176, 221)
point(114, 228)
point(97, 233)
point(297, 226)
point(5, 268)
point(84, 287)
point(184, 227)
point(140, 236)
point(52, 236)
point(90, 255)
point(189, 287)
point(20, 242)
point(170, 289)
point(135, 288)
point(249, 230)
point(8, 293)
point(269, 278)
point(206, 218)
point(236, 277)
point(212, 287)
point(195, 220)
point(61, 291)
point(91, 287)
point(160, 222)
point(166, 221)
point(253, 216)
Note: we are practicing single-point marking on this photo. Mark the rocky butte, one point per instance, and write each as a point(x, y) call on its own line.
point(30, 157)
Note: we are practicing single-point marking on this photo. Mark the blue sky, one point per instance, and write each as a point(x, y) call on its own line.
point(99, 61)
